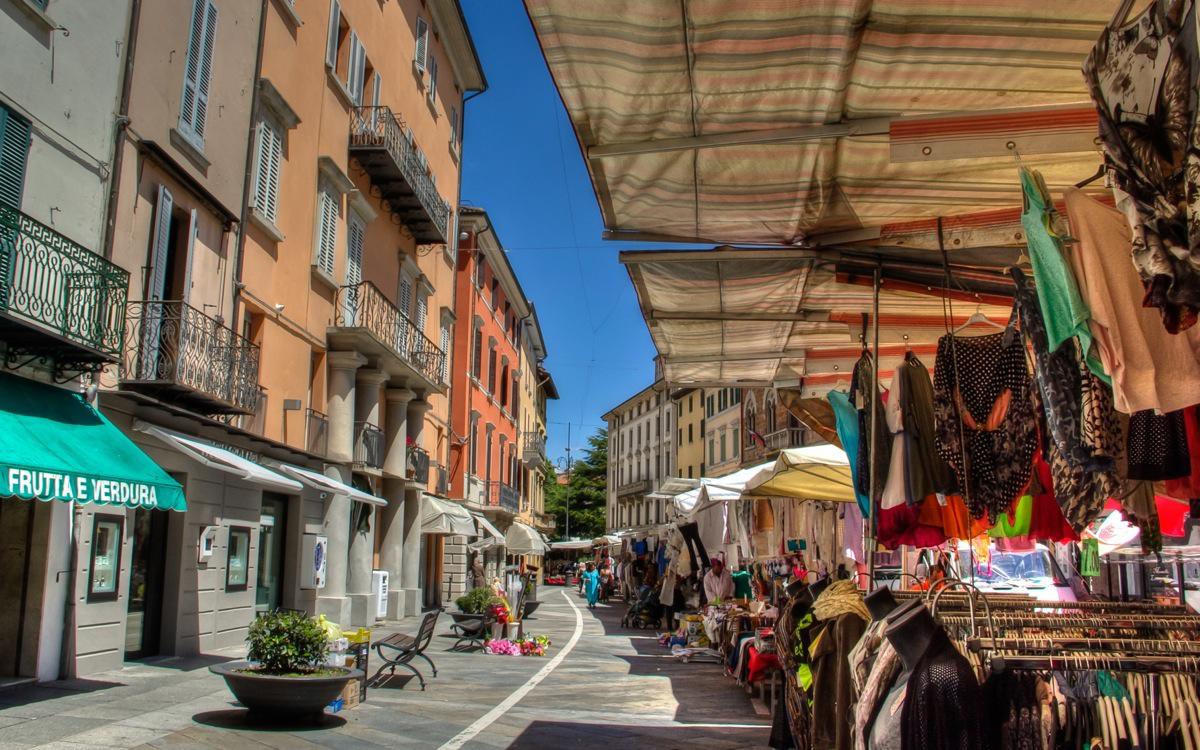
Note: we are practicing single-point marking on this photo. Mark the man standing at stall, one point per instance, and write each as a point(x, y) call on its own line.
point(718, 584)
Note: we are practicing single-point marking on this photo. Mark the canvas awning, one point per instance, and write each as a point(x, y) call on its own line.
point(489, 535)
point(320, 482)
point(818, 472)
point(746, 317)
point(521, 539)
point(220, 459)
point(444, 517)
point(56, 446)
point(737, 121)
point(713, 490)
point(572, 544)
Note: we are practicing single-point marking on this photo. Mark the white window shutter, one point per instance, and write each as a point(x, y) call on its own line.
point(356, 234)
point(193, 230)
point(453, 126)
point(266, 170)
point(444, 345)
point(376, 86)
point(356, 69)
point(405, 301)
point(197, 72)
point(327, 240)
point(162, 244)
point(422, 312)
point(335, 27)
point(206, 63)
point(433, 70)
point(422, 45)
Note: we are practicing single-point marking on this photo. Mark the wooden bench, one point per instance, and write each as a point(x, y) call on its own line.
point(398, 650)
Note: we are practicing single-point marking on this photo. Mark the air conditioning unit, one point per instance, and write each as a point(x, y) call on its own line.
point(314, 561)
point(379, 584)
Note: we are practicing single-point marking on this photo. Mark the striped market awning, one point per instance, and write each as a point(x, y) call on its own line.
point(823, 122)
point(784, 317)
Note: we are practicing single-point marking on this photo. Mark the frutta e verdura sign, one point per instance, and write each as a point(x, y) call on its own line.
point(39, 484)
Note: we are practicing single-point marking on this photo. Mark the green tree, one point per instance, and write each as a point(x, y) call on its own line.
point(587, 491)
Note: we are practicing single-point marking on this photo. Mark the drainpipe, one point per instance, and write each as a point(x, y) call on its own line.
point(122, 122)
point(239, 247)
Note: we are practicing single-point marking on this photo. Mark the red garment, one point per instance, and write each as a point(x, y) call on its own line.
point(1188, 487)
point(760, 664)
point(906, 524)
point(1047, 521)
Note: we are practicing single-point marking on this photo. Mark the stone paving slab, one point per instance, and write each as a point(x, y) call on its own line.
point(614, 689)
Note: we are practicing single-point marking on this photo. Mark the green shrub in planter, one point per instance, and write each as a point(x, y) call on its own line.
point(287, 643)
point(475, 602)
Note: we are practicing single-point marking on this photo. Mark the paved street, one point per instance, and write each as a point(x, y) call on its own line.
point(614, 687)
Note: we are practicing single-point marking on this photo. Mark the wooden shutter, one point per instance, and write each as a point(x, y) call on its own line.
point(354, 250)
point(14, 153)
point(419, 58)
point(327, 241)
point(422, 312)
point(356, 69)
point(266, 170)
point(453, 126)
point(477, 358)
point(405, 296)
point(376, 88)
point(432, 78)
point(197, 74)
point(187, 261)
point(161, 249)
point(444, 345)
point(335, 27)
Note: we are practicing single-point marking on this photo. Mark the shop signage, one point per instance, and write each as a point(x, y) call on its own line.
point(53, 485)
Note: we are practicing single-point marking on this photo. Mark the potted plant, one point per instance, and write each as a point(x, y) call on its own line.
point(285, 671)
point(472, 604)
point(410, 445)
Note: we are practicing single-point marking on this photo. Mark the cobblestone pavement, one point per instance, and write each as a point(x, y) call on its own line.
point(616, 687)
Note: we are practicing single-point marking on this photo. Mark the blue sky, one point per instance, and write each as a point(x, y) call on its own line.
point(522, 163)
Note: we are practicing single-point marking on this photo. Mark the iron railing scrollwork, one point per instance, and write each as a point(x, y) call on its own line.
point(443, 479)
point(316, 432)
point(379, 127)
point(362, 305)
point(534, 452)
point(789, 437)
point(171, 342)
point(501, 495)
point(60, 285)
point(368, 445)
point(418, 465)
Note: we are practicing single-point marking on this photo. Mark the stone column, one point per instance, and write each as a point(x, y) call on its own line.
point(331, 600)
point(410, 566)
point(362, 536)
point(395, 464)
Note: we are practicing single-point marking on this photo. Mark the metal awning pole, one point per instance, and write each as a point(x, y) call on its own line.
point(873, 519)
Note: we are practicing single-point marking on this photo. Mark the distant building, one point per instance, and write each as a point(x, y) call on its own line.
point(689, 432)
point(770, 427)
point(641, 454)
point(722, 430)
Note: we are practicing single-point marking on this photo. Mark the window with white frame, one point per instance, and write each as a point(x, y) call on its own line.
point(345, 55)
point(444, 345)
point(431, 90)
point(328, 211)
point(197, 72)
point(422, 51)
point(267, 160)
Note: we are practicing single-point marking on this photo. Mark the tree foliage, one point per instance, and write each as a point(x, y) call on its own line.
point(586, 492)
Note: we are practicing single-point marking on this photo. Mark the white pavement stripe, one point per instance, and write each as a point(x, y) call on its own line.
point(483, 722)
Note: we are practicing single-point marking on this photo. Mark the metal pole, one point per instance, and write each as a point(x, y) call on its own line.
point(567, 530)
point(869, 549)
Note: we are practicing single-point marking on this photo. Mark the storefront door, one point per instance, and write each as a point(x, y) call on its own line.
point(146, 570)
point(431, 570)
point(272, 533)
point(16, 528)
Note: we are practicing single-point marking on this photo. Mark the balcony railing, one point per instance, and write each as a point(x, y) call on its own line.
point(533, 451)
point(639, 487)
point(443, 479)
point(368, 445)
point(57, 296)
point(500, 495)
point(362, 306)
point(545, 521)
point(418, 466)
point(316, 432)
point(382, 144)
point(255, 421)
point(174, 351)
point(789, 437)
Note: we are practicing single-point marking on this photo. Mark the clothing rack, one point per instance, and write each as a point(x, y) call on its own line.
point(1058, 643)
point(1046, 620)
point(1149, 664)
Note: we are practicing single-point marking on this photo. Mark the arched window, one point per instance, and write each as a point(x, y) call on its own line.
point(751, 416)
point(769, 409)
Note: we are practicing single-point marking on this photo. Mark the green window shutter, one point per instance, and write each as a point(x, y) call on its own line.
point(14, 152)
point(41, 4)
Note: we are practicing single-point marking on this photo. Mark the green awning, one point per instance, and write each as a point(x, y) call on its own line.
point(56, 446)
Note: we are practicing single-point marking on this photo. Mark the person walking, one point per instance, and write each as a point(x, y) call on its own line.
point(591, 584)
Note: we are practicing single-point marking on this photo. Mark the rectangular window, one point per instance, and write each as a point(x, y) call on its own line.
point(237, 568)
point(106, 557)
point(724, 452)
point(266, 170)
point(477, 356)
point(474, 453)
point(737, 443)
point(197, 71)
point(356, 70)
point(333, 34)
point(14, 153)
point(479, 271)
point(329, 208)
point(422, 45)
point(712, 450)
point(444, 345)
point(691, 437)
point(454, 126)
point(491, 370)
point(355, 242)
point(433, 73)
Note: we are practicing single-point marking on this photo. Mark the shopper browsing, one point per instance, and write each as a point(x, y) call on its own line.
point(718, 584)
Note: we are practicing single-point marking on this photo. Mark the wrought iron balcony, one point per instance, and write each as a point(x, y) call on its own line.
point(789, 437)
point(443, 479)
point(316, 432)
point(533, 452)
point(175, 352)
point(366, 321)
point(545, 522)
point(383, 145)
point(500, 495)
point(368, 445)
point(418, 466)
point(57, 297)
point(639, 487)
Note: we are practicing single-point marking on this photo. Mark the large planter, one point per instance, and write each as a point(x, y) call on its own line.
point(461, 617)
point(531, 607)
point(268, 695)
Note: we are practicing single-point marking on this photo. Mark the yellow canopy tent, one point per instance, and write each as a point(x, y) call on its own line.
point(819, 472)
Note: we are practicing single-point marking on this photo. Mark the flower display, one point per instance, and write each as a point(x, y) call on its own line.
point(528, 646)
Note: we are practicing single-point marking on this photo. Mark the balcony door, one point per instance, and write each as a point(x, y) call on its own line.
point(355, 240)
point(173, 238)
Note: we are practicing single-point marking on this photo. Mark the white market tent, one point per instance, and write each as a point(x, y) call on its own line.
point(522, 539)
point(572, 544)
point(817, 472)
point(444, 517)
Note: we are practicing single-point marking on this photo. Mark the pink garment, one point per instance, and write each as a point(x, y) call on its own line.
point(1150, 368)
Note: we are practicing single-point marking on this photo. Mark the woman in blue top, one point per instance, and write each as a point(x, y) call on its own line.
point(591, 585)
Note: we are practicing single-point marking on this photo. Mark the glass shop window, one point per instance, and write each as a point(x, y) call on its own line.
point(237, 571)
point(106, 558)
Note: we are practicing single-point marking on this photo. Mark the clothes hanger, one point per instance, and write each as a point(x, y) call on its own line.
point(1101, 171)
point(978, 317)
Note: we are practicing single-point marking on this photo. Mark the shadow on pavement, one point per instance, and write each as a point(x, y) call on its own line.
point(240, 718)
point(24, 695)
point(553, 734)
point(184, 663)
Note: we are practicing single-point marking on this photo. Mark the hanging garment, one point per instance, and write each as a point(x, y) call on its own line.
point(846, 417)
point(1047, 521)
point(1063, 311)
point(899, 513)
point(1188, 487)
point(984, 417)
point(845, 615)
point(874, 666)
point(1014, 523)
point(1142, 511)
point(1143, 77)
point(1150, 368)
point(792, 634)
point(943, 705)
point(928, 473)
point(1158, 446)
point(864, 390)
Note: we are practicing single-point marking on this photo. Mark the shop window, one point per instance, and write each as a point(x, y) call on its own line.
point(106, 558)
point(237, 569)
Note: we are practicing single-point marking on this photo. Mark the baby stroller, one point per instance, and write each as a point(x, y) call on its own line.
point(645, 611)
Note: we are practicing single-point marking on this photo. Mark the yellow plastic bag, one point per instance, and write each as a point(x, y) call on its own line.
point(333, 631)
